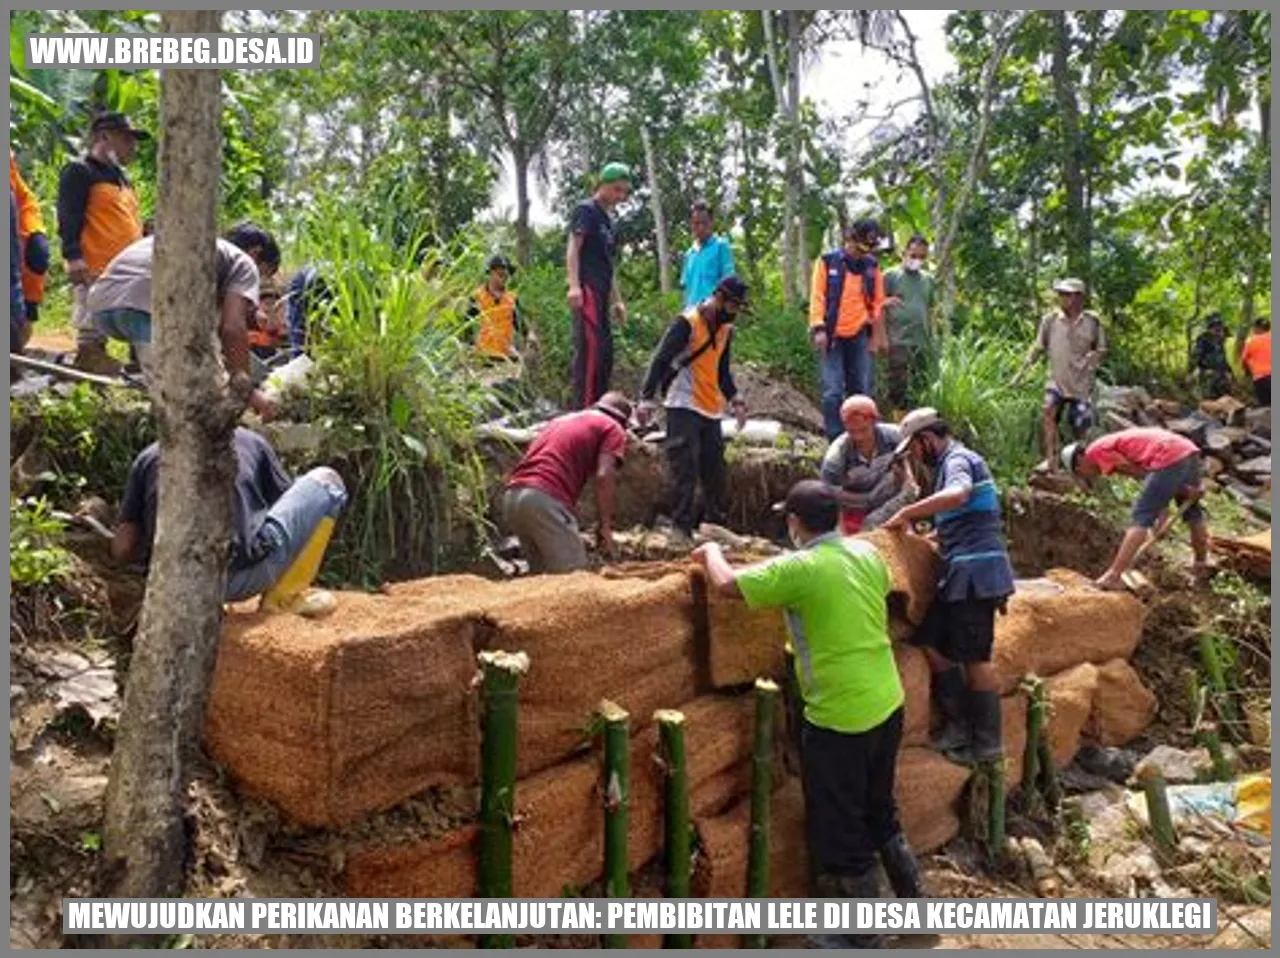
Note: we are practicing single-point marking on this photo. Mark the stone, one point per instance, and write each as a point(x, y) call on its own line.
point(1194, 427)
point(1227, 409)
point(1249, 930)
point(1254, 471)
point(1114, 764)
point(1258, 421)
point(1176, 766)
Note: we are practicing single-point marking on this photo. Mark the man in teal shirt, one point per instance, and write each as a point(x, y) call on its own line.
point(834, 592)
point(707, 261)
point(909, 293)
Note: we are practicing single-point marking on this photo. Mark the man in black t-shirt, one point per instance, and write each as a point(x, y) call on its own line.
point(589, 264)
point(280, 528)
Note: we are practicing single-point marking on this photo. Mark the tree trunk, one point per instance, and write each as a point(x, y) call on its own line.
point(1071, 149)
point(655, 204)
point(1033, 257)
point(524, 237)
point(796, 175)
point(174, 651)
point(790, 196)
point(946, 239)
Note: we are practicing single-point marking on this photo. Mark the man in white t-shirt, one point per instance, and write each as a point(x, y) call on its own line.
point(120, 299)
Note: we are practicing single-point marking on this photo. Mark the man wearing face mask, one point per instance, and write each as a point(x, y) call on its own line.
point(97, 218)
point(845, 305)
point(874, 483)
point(909, 292)
point(833, 592)
point(691, 369)
point(959, 630)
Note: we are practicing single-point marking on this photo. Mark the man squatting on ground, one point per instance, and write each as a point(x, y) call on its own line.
point(1075, 344)
point(589, 268)
point(1171, 467)
point(543, 489)
point(691, 368)
point(861, 462)
point(845, 305)
point(120, 301)
point(959, 630)
point(834, 593)
point(280, 528)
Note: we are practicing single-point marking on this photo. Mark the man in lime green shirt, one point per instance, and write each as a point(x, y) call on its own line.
point(833, 592)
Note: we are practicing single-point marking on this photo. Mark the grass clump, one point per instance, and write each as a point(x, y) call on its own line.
point(36, 556)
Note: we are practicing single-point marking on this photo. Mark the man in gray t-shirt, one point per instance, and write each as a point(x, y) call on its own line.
point(120, 300)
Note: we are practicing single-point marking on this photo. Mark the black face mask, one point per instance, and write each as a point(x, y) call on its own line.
point(930, 458)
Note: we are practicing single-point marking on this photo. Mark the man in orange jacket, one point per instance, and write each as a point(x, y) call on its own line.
point(34, 245)
point(846, 302)
point(1256, 359)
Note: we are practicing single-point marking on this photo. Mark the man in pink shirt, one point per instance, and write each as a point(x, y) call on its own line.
point(1170, 465)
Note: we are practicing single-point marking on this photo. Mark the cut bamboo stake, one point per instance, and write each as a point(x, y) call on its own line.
point(761, 799)
point(993, 772)
point(1158, 814)
point(1049, 786)
point(1211, 660)
point(794, 710)
point(677, 833)
point(1031, 753)
point(500, 673)
point(617, 794)
point(1212, 741)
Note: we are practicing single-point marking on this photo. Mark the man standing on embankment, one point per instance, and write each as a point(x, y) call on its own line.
point(1170, 466)
point(833, 591)
point(593, 292)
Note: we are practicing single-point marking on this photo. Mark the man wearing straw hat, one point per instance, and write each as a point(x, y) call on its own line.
point(593, 294)
point(833, 591)
point(1075, 343)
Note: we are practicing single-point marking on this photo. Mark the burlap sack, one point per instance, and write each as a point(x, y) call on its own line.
point(914, 568)
point(338, 717)
point(927, 789)
point(1060, 621)
point(913, 669)
point(743, 644)
point(1070, 700)
point(1122, 706)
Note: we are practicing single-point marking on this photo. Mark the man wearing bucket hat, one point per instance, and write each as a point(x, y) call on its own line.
point(833, 591)
point(1075, 343)
point(495, 312)
point(690, 368)
point(97, 218)
point(959, 630)
point(593, 294)
point(1209, 358)
point(542, 491)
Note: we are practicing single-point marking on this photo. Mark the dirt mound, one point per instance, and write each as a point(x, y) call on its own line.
point(1047, 531)
point(775, 399)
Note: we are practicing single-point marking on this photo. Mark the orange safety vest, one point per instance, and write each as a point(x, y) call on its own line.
point(30, 221)
point(697, 384)
point(1257, 354)
point(497, 333)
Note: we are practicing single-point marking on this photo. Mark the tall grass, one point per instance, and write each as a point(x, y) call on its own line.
point(973, 388)
point(397, 395)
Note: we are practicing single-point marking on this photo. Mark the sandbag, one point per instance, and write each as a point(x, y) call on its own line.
point(913, 669)
point(743, 644)
point(335, 718)
point(1070, 697)
point(928, 787)
point(1060, 621)
point(1122, 706)
point(914, 569)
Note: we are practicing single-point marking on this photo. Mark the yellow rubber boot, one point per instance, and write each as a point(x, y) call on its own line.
point(291, 586)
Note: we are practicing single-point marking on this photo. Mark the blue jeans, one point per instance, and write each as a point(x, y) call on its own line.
point(847, 370)
point(288, 525)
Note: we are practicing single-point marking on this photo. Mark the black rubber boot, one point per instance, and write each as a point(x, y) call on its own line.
point(866, 885)
point(828, 886)
point(901, 868)
point(984, 714)
point(950, 691)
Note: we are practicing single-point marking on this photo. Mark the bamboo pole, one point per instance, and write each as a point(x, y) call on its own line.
point(676, 843)
point(1049, 786)
point(767, 695)
point(1208, 737)
point(1158, 814)
point(1031, 753)
point(993, 772)
point(1224, 704)
point(617, 795)
point(500, 678)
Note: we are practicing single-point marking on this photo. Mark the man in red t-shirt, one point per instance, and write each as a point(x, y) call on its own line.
point(542, 491)
point(1170, 465)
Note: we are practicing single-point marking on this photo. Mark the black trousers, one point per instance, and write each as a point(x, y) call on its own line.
point(695, 453)
point(592, 348)
point(1262, 391)
point(849, 808)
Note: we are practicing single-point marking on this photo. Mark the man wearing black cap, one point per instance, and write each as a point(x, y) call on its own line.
point(98, 217)
point(834, 594)
point(542, 491)
point(495, 312)
point(690, 368)
point(1209, 357)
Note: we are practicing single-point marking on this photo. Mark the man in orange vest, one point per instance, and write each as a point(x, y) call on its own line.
point(495, 310)
point(1256, 359)
point(691, 368)
point(34, 245)
point(846, 303)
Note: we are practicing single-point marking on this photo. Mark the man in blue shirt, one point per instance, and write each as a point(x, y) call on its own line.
point(959, 631)
point(707, 261)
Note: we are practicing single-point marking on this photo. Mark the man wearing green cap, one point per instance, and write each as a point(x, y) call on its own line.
point(589, 265)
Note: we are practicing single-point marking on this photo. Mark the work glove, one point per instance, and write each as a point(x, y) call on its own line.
point(37, 253)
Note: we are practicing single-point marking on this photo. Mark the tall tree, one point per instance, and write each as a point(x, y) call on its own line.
point(173, 654)
point(1071, 145)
